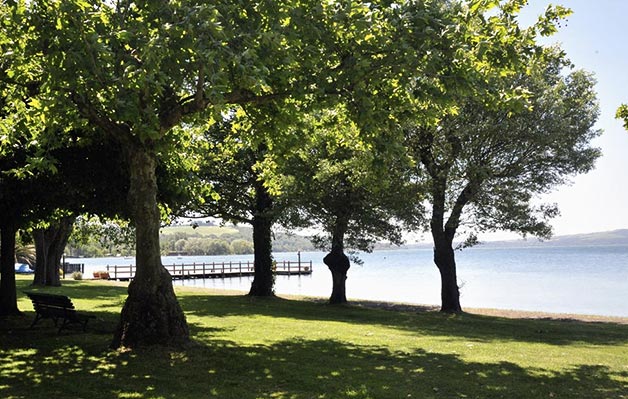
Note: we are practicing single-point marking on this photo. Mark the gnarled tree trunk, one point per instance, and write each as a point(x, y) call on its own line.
point(8, 292)
point(338, 263)
point(263, 281)
point(49, 245)
point(151, 314)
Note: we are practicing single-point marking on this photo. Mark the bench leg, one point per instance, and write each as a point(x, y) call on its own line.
point(37, 318)
point(63, 325)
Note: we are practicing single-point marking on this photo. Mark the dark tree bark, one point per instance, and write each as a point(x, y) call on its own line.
point(444, 256)
point(338, 263)
point(49, 245)
point(151, 314)
point(444, 259)
point(8, 292)
point(263, 281)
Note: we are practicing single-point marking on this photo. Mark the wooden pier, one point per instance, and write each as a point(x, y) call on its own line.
point(212, 270)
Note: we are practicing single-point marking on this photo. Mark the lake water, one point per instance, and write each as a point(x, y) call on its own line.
point(581, 280)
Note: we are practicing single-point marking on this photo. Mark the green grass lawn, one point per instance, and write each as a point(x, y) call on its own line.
point(293, 349)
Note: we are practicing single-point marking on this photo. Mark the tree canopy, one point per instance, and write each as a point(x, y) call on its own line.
point(333, 84)
point(483, 166)
point(351, 187)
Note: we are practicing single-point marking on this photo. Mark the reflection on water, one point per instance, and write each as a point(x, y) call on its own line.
point(585, 280)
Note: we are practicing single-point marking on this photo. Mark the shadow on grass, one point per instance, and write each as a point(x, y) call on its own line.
point(39, 363)
point(295, 369)
point(468, 326)
point(78, 290)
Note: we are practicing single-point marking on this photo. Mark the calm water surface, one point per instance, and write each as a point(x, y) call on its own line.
point(583, 280)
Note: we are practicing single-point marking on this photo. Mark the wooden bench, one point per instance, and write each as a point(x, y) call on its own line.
point(56, 307)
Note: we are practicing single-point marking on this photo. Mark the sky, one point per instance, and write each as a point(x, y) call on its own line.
point(595, 38)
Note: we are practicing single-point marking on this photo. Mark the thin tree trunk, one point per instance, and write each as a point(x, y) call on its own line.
point(151, 314)
point(40, 257)
point(443, 236)
point(444, 258)
point(50, 244)
point(263, 280)
point(8, 292)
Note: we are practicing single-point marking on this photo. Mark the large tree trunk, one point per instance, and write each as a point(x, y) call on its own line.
point(338, 263)
point(263, 281)
point(49, 245)
point(8, 292)
point(151, 314)
point(444, 258)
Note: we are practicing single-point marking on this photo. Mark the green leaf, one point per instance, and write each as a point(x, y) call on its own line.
point(622, 113)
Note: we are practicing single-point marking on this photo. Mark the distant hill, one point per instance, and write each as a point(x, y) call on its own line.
point(201, 230)
point(283, 242)
point(615, 237)
point(209, 239)
point(604, 238)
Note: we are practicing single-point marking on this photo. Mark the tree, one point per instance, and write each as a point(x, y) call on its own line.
point(99, 236)
point(483, 165)
point(134, 73)
point(241, 247)
point(13, 138)
point(622, 113)
point(353, 189)
point(24, 251)
point(236, 149)
point(8, 293)
point(41, 174)
point(15, 204)
point(366, 46)
point(50, 243)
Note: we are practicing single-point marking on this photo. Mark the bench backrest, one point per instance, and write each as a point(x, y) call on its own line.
point(50, 300)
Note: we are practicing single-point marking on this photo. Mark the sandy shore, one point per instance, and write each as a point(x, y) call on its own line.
point(507, 313)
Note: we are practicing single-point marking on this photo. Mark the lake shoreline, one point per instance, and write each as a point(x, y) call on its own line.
point(583, 281)
point(505, 313)
point(419, 308)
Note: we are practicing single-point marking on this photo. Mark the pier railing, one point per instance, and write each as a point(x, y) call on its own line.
point(213, 269)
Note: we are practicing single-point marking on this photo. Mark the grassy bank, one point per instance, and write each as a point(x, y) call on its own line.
point(278, 348)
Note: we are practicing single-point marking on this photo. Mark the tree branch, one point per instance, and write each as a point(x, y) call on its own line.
point(465, 196)
point(88, 111)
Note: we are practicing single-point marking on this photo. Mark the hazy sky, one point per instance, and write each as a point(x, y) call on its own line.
point(595, 38)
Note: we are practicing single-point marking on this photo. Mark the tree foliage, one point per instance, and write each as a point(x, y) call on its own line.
point(622, 113)
point(94, 236)
point(349, 186)
point(134, 72)
point(483, 166)
point(303, 94)
point(340, 176)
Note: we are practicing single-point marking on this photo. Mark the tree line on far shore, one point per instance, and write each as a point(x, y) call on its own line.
point(94, 238)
